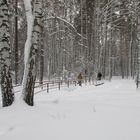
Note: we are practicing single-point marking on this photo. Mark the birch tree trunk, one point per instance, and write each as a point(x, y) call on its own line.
point(31, 63)
point(5, 62)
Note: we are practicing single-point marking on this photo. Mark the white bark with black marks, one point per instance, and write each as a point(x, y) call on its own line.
point(5, 62)
point(31, 62)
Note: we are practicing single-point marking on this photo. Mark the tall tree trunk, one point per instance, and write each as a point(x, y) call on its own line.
point(31, 63)
point(41, 71)
point(16, 43)
point(138, 49)
point(5, 62)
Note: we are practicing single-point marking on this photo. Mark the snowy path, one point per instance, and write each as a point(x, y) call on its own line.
point(107, 112)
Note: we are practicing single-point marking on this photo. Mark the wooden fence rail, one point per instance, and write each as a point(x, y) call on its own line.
point(55, 85)
point(49, 85)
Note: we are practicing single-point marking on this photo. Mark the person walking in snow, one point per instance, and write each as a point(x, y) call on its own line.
point(80, 77)
point(99, 76)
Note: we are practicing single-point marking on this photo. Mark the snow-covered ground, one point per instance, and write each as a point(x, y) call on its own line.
point(107, 112)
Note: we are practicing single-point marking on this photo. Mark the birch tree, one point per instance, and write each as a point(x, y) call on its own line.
point(34, 13)
point(5, 62)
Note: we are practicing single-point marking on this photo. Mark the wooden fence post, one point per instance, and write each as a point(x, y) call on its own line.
point(47, 87)
point(59, 85)
point(75, 83)
point(68, 83)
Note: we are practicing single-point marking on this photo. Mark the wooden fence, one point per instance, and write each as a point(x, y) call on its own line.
point(50, 85)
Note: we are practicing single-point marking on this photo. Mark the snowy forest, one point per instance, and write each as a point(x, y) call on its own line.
point(45, 40)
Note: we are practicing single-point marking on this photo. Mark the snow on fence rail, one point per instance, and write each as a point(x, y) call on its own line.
point(54, 85)
point(49, 85)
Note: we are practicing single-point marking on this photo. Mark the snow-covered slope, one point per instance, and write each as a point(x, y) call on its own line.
point(107, 112)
